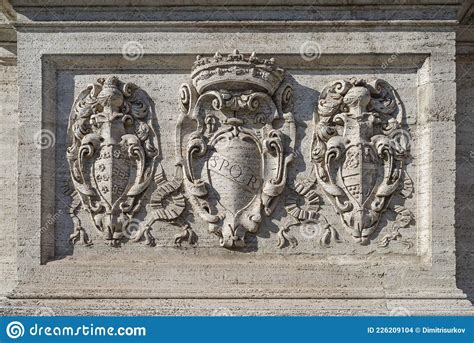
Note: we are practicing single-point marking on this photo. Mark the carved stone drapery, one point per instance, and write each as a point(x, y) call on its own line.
point(235, 139)
point(112, 154)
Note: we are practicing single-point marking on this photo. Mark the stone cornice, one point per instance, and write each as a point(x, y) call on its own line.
point(7, 35)
point(203, 3)
point(215, 12)
point(466, 14)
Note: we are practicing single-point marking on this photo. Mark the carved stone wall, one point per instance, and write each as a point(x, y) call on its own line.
point(464, 158)
point(293, 164)
point(8, 187)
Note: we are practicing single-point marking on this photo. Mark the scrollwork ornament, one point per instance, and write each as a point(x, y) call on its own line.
point(168, 204)
point(302, 208)
point(360, 151)
point(235, 162)
point(112, 155)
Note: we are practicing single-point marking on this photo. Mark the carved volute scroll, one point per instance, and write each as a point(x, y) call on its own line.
point(235, 139)
point(359, 151)
point(112, 153)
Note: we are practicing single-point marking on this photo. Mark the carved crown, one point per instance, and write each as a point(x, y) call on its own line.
point(236, 72)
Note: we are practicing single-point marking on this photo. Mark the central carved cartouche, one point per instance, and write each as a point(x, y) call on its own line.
point(233, 157)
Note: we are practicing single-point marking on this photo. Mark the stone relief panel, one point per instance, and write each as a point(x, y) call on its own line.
point(237, 161)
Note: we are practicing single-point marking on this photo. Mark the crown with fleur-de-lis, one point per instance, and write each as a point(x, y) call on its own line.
point(236, 72)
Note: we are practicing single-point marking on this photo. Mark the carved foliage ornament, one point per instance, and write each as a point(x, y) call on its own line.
point(359, 151)
point(112, 153)
point(235, 139)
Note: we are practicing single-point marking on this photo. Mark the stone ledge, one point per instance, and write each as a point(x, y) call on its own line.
point(263, 280)
point(235, 307)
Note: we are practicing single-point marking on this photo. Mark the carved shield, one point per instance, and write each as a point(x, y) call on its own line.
point(112, 173)
point(235, 171)
point(355, 140)
point(359, 172)
point(111, 154)
point(234, 164)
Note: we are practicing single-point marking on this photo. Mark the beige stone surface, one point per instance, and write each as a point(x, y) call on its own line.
point(8, 184)
point(152, 199)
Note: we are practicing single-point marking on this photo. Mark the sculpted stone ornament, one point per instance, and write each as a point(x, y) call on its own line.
point(168, 204)
point(302, 207)
point(235, 139)
point(359, 152)
point(112, 154)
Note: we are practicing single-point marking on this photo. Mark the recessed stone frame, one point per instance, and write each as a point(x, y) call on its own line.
point(434, 67)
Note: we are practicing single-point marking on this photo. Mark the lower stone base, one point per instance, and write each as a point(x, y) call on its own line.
point(237, 307)
point(209, 286)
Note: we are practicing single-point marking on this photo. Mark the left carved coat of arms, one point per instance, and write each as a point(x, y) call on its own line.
point(112, 153)
point(235, 139)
